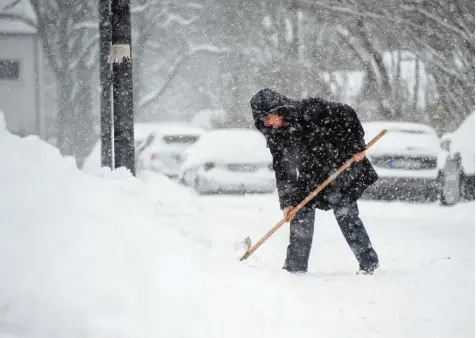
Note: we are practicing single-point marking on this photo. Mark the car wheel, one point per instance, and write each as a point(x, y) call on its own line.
point(468, 187)
point(451, 183)
point(185, 178)
point(198, 186)
point(432, 191)
point(431, 195)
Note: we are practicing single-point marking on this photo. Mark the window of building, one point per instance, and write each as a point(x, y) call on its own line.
point(9, 70)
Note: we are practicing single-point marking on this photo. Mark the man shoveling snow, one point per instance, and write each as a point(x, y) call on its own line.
point(308, 140)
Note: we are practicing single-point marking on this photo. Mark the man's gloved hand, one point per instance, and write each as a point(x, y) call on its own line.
point(287, 214)
point(360, 156)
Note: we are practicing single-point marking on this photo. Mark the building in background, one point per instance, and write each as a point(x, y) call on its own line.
point(20, 69)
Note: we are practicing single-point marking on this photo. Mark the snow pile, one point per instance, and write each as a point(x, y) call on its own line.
point(89, 256)
point(111, 256)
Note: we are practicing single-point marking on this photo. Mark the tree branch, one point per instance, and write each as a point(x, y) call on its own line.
point(439, 21)
point(85, 50)
point(174, 69)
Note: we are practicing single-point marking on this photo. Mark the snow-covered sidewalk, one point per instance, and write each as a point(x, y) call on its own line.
point(424, 288)
point(114, 256)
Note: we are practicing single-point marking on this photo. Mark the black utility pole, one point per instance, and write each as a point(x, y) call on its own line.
point(120, 57)
point(105, 78)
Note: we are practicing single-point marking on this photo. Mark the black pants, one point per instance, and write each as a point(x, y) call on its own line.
point(347, 216)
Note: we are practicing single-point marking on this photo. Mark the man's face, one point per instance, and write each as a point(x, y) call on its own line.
point(274, 120)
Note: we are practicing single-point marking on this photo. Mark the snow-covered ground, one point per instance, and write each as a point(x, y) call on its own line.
point(114, 256)
point(424, 288)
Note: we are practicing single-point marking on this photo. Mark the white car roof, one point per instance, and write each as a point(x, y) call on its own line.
point(230, 146)
point(391, 125)
point(403, 138)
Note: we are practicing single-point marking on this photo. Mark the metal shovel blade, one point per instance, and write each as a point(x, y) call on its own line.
point(248, 243)
point(248, 246)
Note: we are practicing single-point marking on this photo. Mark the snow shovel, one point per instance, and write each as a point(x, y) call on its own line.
point(252, 248)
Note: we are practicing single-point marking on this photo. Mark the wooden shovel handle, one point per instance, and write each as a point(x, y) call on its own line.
point(324, 184)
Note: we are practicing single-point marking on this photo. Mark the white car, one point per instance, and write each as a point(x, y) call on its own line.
point(406, 160)
point(229, 160)
point(158, 147)
point(143, 138)
point(458, 162)
point(165, 154)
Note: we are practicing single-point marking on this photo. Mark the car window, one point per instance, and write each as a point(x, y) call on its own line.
point(180, 139)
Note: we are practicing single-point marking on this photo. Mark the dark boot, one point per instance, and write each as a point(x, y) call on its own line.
point(300, 241)
point(367, 270)
point(347, 216)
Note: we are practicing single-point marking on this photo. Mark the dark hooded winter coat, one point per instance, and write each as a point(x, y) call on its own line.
point(318, 136)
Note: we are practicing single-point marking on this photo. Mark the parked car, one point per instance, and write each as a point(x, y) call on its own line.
point(229, 160)
point(165, 154)
point(457, 169)
point(406, 161)
point(143, 138)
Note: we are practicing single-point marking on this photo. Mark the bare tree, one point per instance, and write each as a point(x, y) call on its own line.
point(443, 37)
point(378, 86)
point(68, 38)
point(440, 33)
point(155, 23)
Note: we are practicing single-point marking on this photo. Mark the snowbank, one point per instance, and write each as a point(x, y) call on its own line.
point(112, 256)
point(92, 256)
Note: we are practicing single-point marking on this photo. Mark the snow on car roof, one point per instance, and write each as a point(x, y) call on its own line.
point(231, 146)
point(170, 128)
point(397, 126)
point(402, 138)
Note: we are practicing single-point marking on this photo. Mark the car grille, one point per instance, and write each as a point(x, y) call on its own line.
point(405, 162)
point(243, 167)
